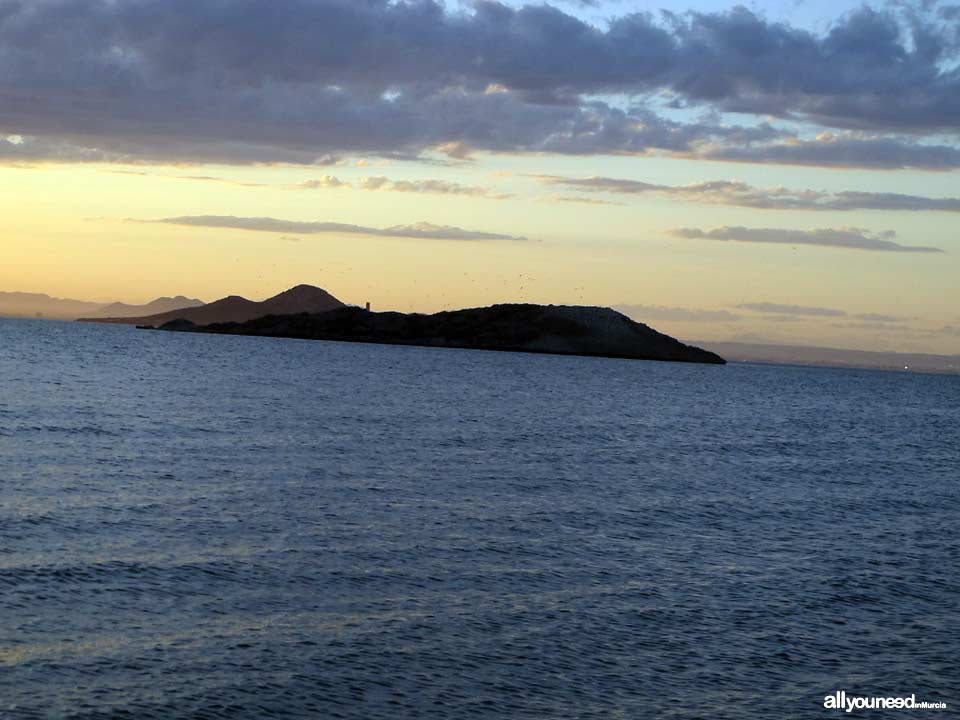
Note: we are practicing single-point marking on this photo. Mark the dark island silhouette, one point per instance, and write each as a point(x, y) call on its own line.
point(551, 329)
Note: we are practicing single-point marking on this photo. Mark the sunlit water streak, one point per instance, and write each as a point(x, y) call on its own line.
point(221, 527)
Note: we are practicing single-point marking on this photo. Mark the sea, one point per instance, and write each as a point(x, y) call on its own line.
point(205, 526)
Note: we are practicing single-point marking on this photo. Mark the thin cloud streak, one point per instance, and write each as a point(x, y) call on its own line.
point(420, 230)
point(195, 178)
point(846, 237)
point(582, 200)
point(379, 183)
point(741, 194)
point(643, 313)
point(881, 318)
point(782, 309)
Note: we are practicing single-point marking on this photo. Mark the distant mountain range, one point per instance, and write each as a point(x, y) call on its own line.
point(21, 304)
point(160, 305)
point(299, 299)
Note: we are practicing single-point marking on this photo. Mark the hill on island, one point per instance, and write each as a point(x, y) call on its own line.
point(553, 329)
point(160, 305)
point(21, 304)
point(299, 299)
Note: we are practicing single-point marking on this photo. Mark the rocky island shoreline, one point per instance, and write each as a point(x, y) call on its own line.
point(549, 329)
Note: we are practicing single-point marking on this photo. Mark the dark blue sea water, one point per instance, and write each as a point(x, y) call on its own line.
point(202, 526)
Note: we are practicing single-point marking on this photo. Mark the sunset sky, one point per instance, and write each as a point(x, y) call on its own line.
point(780, 171)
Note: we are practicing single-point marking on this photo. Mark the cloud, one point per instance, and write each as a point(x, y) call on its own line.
point(19, 149)
point(845, 237)
point(873, 69)
point(733, 192)
point(643, 313)
point(596, 184)
point(440, 187)
point(194, 178)
point(305, 81)
point(852, 149)
point(331, 182)
point(781, 309)
point(867, 325)
point(881, 318)
point(381, 183)
point(583, 200)
point(218, 180)
point(422, 230)
point(851, 200)
point(324, 182)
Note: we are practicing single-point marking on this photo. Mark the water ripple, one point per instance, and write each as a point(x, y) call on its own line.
point(216, 527)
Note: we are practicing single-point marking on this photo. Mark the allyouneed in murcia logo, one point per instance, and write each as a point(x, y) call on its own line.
point(848, 703)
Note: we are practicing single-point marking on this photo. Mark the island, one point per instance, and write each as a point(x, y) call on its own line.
point(550, 329)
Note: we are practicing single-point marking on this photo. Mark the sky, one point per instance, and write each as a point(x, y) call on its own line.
point(779, 172)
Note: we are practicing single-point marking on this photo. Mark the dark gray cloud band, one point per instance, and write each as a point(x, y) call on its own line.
point(251, 81)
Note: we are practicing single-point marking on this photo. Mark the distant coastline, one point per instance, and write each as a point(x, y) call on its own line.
point(45, 307)
point(812, 356)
